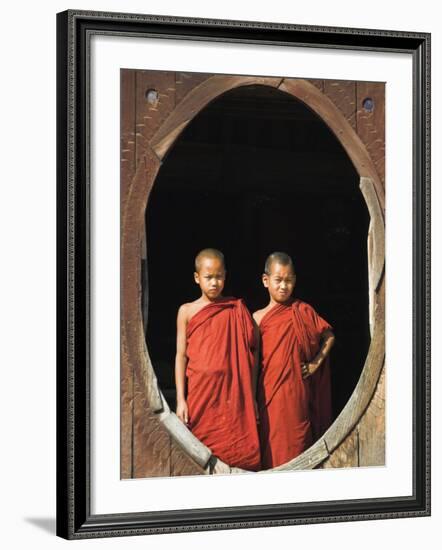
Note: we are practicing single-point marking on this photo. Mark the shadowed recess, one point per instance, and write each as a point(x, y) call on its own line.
point(258, 171)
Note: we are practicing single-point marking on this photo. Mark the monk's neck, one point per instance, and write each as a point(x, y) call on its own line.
point(206, 300)
point(274, 303)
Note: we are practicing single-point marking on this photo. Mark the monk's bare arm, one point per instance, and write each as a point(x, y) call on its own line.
point(328, 339)
point(180, 365)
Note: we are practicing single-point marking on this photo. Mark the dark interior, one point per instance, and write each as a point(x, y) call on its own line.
point(258, 171)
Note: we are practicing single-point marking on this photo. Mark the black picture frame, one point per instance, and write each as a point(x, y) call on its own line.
point(74, 518)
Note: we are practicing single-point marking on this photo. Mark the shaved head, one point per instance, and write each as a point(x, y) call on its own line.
point(211, 253)
point(278, 258)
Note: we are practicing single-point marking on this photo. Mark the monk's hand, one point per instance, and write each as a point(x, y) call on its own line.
point(308, 369)
point(182, 412)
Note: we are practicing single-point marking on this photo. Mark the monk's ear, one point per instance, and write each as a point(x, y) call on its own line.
point(196, 277)
point(265, 280)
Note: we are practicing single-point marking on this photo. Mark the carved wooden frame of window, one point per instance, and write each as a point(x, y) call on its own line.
point(133, 340)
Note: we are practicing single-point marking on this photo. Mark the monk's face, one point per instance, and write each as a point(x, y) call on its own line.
point(211, 277)
point(280, 282)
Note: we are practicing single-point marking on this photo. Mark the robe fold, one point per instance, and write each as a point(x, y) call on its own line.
point(293, 412)
point(220, 344)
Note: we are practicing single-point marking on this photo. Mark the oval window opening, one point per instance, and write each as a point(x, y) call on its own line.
point(254, 172)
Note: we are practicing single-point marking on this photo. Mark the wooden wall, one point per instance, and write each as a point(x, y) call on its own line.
point(365, 445)
point(146, 448)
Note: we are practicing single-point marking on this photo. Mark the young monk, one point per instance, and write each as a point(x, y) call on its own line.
point(294, 399)
point(215, 368)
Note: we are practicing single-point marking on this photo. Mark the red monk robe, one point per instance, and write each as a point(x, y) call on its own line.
point(220, 341)
point(293, 412)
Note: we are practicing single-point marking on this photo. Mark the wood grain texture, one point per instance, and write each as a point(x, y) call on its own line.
point(343, 95)
point(377, 258)
point(375, 245)
point(132, 226)
point(346, 455)
point(218, 467)
point(365, 445)
point(151, 450)
point(127, 158)
point(319, 83)
point(127, 413)
point(146, 428)
point(311, 458)
point(127, 129)
point(372, 429)
point(367, 383)
point(186, 82)
point(371, 125)
point(181, 464)
point(184, 438)
point(150, 116)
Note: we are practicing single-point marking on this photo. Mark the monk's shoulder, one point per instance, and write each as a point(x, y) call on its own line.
point(183, 311)
point(307, 311)
point(259, 314)
point(303, 306)
point(234, 300)
point(241, 304)
point(188, 310)
point(238, 302)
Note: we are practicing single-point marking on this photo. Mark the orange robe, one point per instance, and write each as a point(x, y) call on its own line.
point(220, 342)
point(293, 412)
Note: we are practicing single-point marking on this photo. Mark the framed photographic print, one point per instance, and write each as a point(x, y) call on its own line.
point(243, 274)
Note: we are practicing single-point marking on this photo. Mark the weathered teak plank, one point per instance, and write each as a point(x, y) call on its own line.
point(151, 113)
point(371, 123)
point(134, 353)
point(199, 453)
point(366, 385)
point(181, 464)
point(154, 99)
point(365, 445)
point(372, 429)
point(132, 225)
point(346, 455)
point(378, 230)
point(343, 95)
point(126, 173)
point(375, 244)
point(127, 125)
point(371, 129)
point(319, 83)
point(311, 458)
point(151, 450)
point(185, 82)
point(368, 437)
